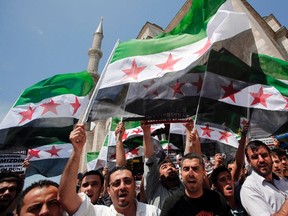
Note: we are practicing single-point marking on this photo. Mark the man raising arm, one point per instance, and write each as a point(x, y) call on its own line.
point(120, 186)
point(69, 198)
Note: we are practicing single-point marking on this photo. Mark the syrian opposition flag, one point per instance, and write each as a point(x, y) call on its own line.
point(95, 160)
point(133, 133)
point(161, 78)
point(46, 112)
point(272, 95)
point(107, 154)
point(168, 146)
point(233, 91)
point(218, 134)
point(49, 160)
point(132, 141)
point(134, 153)
point(209, 131)
point(213, 138)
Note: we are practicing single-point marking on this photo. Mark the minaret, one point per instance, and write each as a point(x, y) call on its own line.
point(95, 135)
point(95, 52)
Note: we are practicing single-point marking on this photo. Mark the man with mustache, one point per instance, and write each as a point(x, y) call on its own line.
point(120, 186)
point(263, 192)
point(161, 179)
point(195, 200)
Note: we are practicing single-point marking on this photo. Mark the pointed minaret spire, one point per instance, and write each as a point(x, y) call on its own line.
point(99, 30)
point(95, 52)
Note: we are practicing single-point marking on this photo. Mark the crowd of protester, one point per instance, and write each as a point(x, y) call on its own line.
point(191, 186)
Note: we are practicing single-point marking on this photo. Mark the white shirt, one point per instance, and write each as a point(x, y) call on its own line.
point(88, 209)
point(260, 197)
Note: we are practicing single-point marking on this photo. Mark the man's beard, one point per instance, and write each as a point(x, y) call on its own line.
point(170, 180)
point(4, 207)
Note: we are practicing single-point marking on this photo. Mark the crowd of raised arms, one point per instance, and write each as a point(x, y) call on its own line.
point(257, 187)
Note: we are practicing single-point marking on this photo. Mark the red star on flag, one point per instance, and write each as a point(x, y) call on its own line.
point(134, 71)
point(27, 114)
point(169, 64)
point(33, 153)
point(133, 152)
point(286, 99)
point(206, 131)
point(260, 97)
point(125, 135)
point(54, 151)
point(137, 131)
point(75, 105)
point(204, 49)
point(51, 106)
point(225, 135)
point(198, 84)
point(229, 92)
point(177, 88)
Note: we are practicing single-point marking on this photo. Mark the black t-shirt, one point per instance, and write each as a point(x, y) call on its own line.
point(209, 204)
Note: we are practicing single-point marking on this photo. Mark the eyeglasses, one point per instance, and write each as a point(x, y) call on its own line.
point(127, 181)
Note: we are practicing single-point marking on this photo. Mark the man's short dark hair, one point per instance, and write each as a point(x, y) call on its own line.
point(116, 169)
point(92, 172)
point(216, 172)
point(279, 152)
point(39, 184)
point(254, 146)
point(164, 161)
point(191, 156)
point(13, 177)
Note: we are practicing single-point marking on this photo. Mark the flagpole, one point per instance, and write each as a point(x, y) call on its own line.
point(95, 91)
point(194, 121)
point(248, 118)
point(198, 105)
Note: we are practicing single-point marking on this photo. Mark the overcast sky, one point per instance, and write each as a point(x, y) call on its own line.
point(41, 38)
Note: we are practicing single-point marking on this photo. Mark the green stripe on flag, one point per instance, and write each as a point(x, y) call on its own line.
point(106, 140)
point(78, 84)
point(128, 124)
point(276, 71)
point(268, 70)
point(92, 156)
point(280, 86)
point(114, 123)
point(152, 46)
point(196, 19)
point(192, 28)
point(274, 67)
